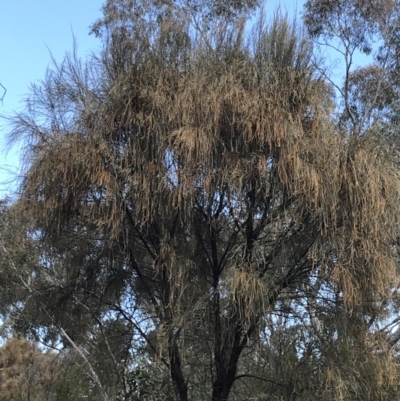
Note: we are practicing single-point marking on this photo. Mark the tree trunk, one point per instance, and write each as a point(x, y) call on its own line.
point(180, 386)
point(226, 377)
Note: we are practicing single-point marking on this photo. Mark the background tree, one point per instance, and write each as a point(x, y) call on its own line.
point(29, 374)
point(368, 94)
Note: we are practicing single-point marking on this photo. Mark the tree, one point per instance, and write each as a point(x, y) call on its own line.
point(29, 374)
point(26, 373)
point(198, 210)
point(369, 94)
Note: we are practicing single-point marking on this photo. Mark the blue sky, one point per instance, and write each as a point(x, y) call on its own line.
point(29, 31)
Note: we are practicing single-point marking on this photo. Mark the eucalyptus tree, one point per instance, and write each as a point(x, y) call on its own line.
point(199, 210)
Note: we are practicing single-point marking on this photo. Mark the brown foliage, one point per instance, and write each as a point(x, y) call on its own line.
point(26, 373)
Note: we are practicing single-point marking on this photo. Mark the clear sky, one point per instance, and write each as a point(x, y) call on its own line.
point(29, 31)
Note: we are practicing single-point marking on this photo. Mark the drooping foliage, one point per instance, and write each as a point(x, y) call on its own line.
point(201, 216)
